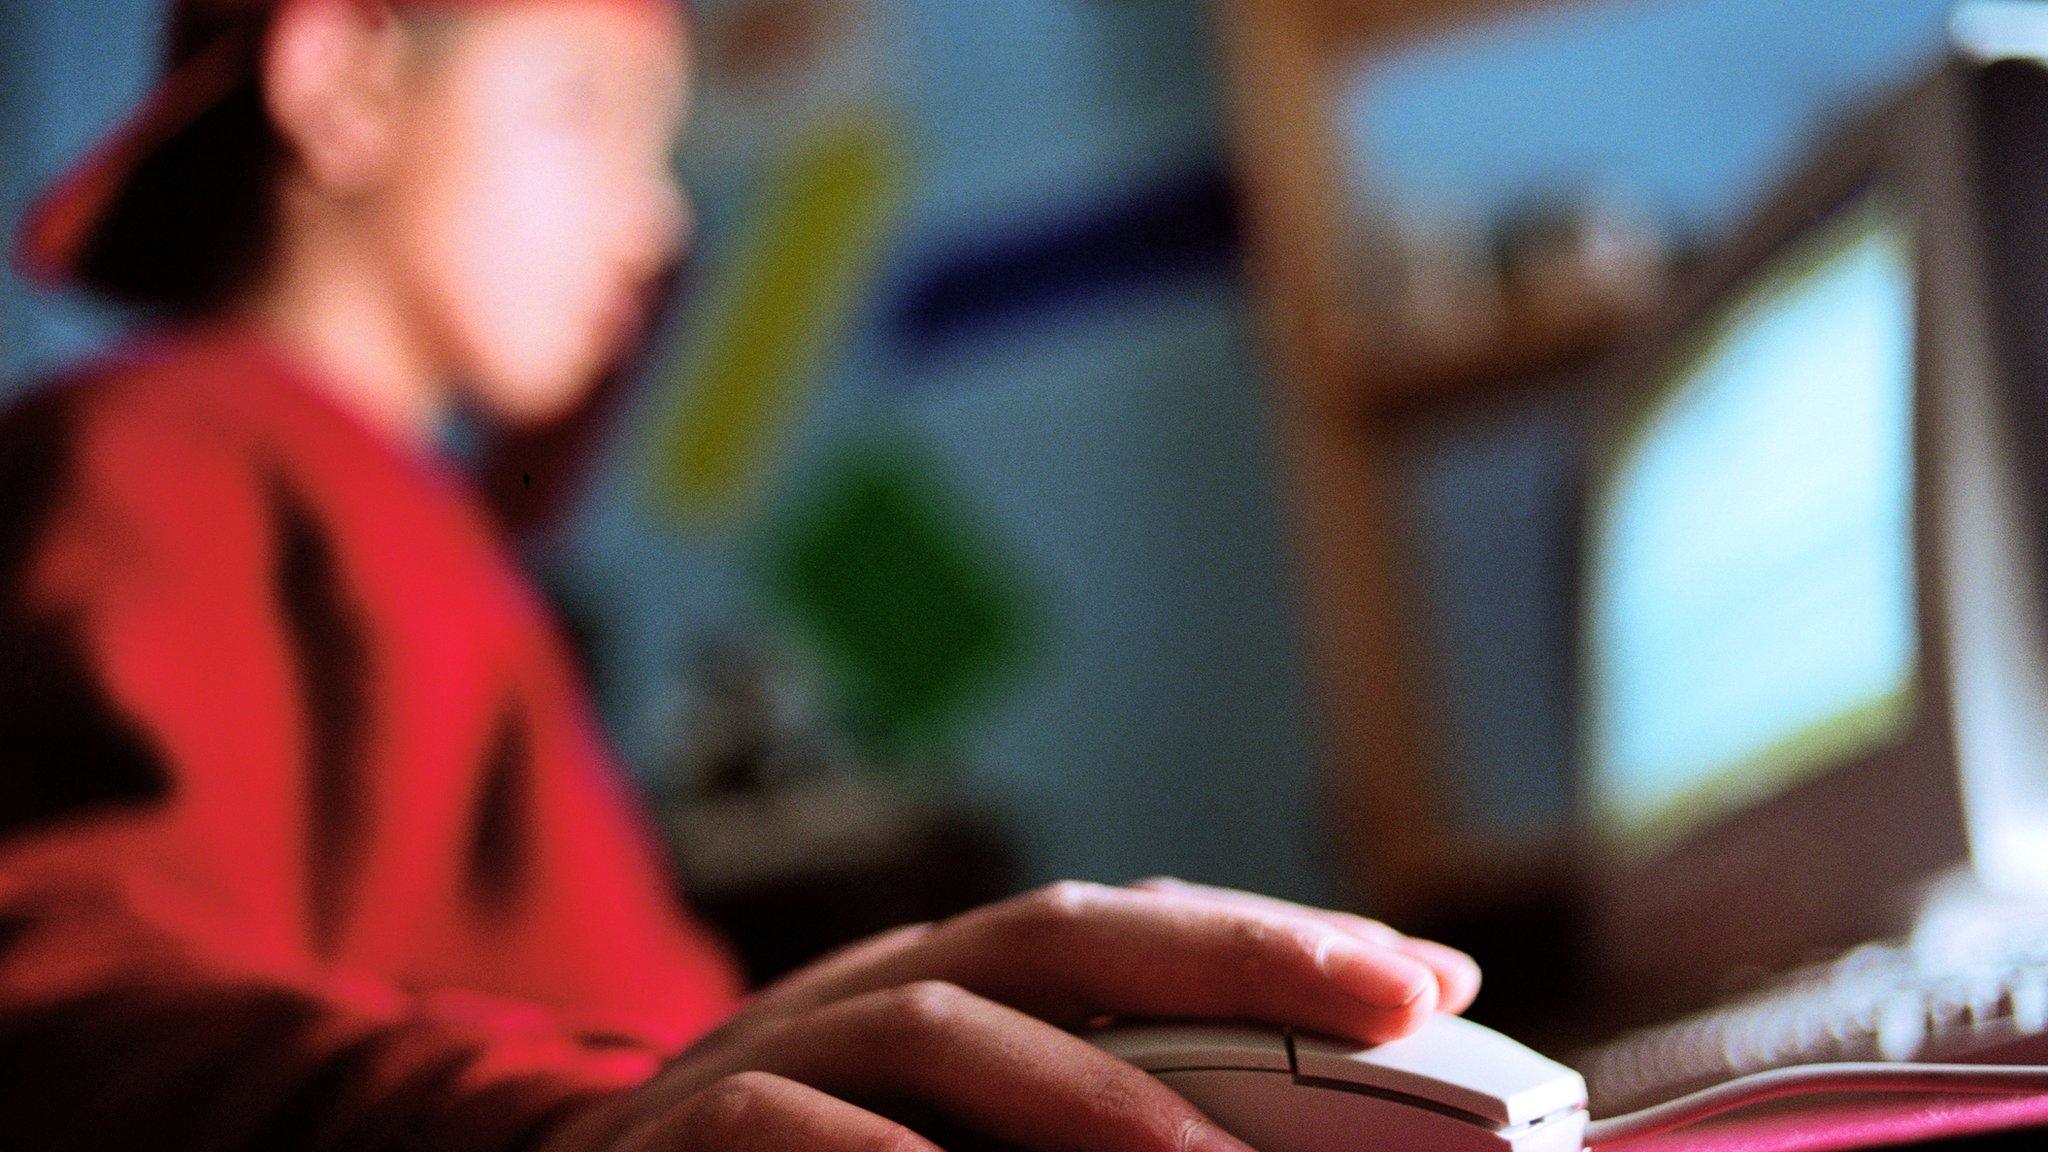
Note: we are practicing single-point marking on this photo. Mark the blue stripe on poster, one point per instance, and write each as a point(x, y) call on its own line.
point(1184, 227)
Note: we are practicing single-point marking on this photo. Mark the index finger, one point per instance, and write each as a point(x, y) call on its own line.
point(1457, 974)
point(1074, 952)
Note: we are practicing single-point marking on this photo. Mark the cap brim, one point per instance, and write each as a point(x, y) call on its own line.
point(60, 224)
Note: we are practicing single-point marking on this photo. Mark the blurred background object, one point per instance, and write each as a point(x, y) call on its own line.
point(1455, 211)
point(1112, 438)
point(956, 434)
point(1532, 153)
point(794, 842)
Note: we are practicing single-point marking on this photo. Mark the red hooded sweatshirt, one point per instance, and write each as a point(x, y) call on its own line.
point(307, 837)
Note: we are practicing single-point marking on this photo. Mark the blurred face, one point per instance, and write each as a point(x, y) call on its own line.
point(532, 201)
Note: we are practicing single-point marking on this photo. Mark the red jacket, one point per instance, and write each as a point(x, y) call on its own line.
point(307, 838)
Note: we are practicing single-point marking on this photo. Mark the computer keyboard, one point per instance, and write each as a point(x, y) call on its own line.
point(1981, 1000)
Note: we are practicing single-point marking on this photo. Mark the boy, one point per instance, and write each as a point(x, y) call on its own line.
point(306, 836)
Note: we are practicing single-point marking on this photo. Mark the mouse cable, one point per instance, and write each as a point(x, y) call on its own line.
point(1815, 1080)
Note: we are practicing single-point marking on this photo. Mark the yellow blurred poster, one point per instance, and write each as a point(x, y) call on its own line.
point(781, 306)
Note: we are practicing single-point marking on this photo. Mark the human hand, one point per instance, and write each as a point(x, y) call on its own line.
point(969, 1020)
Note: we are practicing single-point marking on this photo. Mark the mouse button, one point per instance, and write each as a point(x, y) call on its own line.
point(1161, 1047)
point(1455, 1063)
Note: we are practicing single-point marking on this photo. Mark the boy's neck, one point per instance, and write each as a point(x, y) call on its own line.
point(327, 305)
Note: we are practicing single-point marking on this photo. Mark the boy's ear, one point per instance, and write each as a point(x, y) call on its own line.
point(332, 72)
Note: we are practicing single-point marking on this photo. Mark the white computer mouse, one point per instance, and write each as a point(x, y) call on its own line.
point(1453, 1086)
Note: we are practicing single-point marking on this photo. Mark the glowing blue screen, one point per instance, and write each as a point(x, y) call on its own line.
point(1751, 617)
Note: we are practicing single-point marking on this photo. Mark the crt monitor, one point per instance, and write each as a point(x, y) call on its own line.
point(1812, 684)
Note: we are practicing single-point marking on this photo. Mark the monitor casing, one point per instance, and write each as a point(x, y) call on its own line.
point(1849, 854)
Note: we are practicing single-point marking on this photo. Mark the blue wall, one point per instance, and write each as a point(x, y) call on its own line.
point(68, 72)
point(1683, 109)
point(1108, 432)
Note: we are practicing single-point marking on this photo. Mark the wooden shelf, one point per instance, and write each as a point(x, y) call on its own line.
point(1357, 26)
point(1524, 349)
point(1337, 376)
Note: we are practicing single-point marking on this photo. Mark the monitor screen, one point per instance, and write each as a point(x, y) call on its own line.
point(1751, 613)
